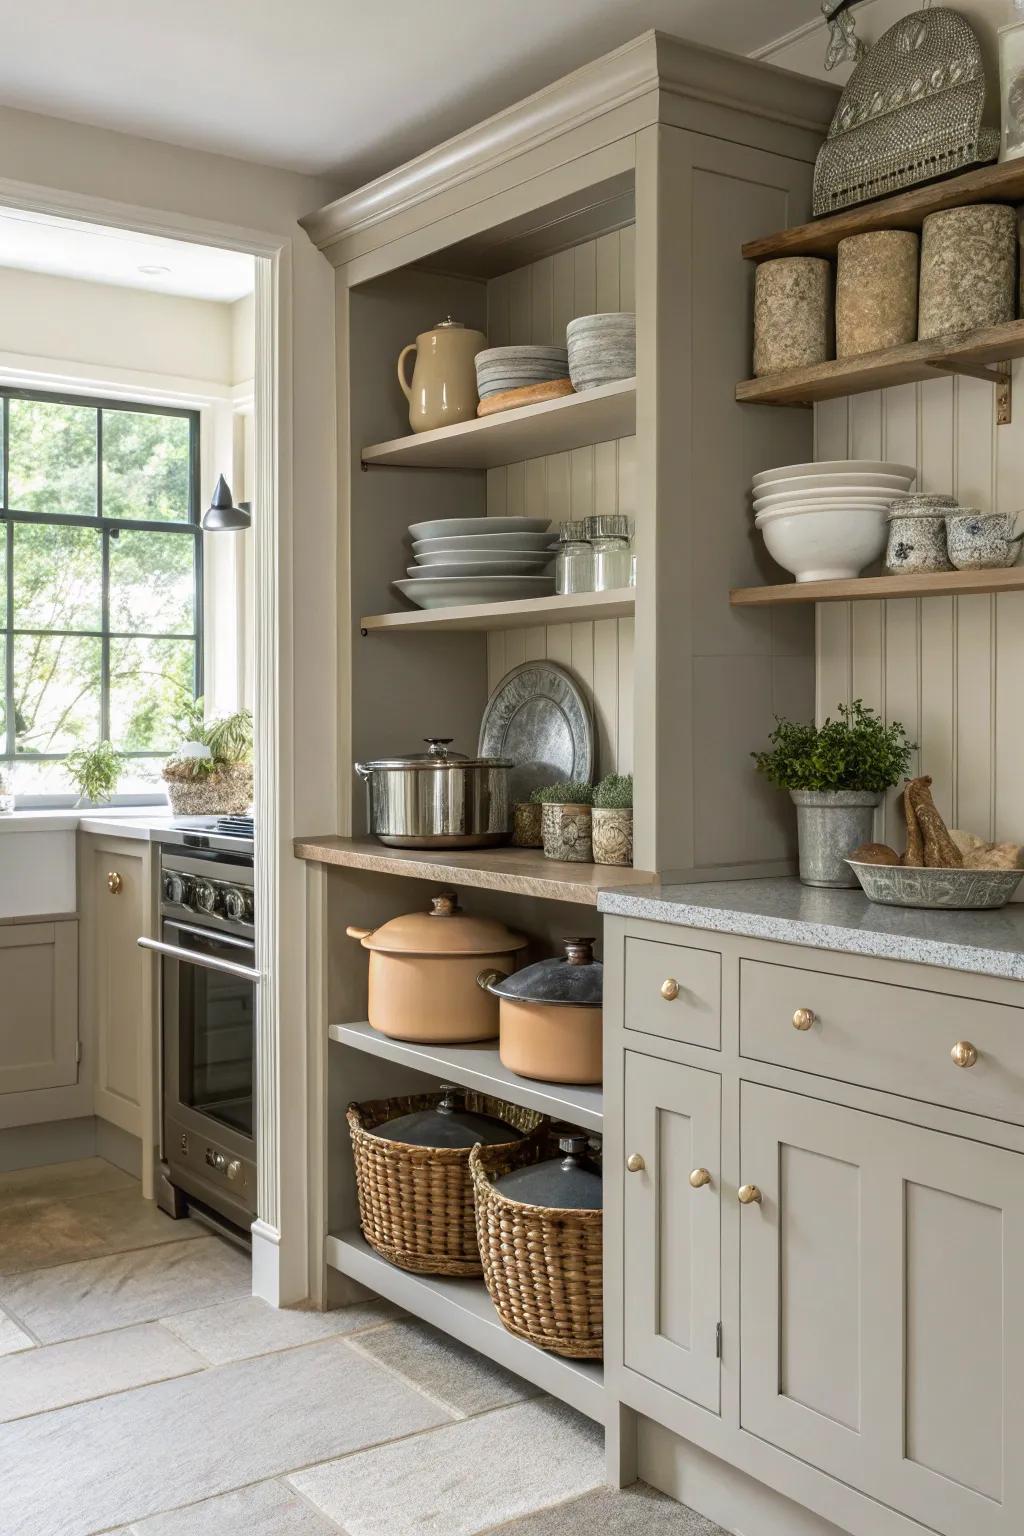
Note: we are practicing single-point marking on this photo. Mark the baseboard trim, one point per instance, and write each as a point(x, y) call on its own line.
point(119, 1147)
point(266, 1262)
point(50, 1141)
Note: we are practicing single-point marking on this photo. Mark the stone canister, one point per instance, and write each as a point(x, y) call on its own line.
point(917, 534)
point(526, 825)
point(968, 267)
point(613, 834)
point(567, 833)
point(876, 291)
point(443, 386)
point(977, 541)
point(792, 314)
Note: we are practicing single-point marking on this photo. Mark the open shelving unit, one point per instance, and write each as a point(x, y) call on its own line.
point(860, 588)
point(526, 613)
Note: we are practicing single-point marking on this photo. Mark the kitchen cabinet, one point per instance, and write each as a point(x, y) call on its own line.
point(671, 1235)
point(860, 1236)
point(39, 1016)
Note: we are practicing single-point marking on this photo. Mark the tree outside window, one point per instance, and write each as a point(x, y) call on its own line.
point(100, 583)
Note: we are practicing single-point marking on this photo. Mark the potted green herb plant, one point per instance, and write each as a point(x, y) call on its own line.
point(566, 821)
point(613, 820)
point(95, 771)
point(836, 774)
point(210, 773)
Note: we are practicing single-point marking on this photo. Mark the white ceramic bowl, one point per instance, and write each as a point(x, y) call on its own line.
point(825, 546)
point(838, 493)
point(826, 483)
point(838, 467)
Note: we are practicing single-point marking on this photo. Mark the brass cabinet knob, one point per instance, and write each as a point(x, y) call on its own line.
point(670, 989)
point(635, 1163)
point(804, 1018)
point(964, 1054)
point(699, 1177)
point(748, 1194)
point(114, 883)
point(234, 1168)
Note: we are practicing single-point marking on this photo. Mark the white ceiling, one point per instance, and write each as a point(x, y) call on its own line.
point(332, 86)
point(39, 243)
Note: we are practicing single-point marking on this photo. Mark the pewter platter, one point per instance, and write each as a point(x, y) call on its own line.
point(537, 716)
point(953, 890)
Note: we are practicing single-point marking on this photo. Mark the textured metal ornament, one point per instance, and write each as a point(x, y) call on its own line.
point(912, 111)
point(844, 46)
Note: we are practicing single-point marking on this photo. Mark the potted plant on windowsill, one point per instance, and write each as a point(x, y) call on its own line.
point(613, 820)
point(95, 772)
point(210, 773)
point(836, 774)
point(566, 821)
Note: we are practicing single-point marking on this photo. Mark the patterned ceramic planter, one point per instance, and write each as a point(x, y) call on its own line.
point(613, 835)
point(526, 825)
point(567, 833)
point(225, 793)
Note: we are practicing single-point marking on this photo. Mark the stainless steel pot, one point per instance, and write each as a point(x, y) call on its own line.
point(438, 799)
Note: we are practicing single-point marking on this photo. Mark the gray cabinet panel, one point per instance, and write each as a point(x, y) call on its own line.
point(674, 991)
point(39, 1012)
point(672, 1230)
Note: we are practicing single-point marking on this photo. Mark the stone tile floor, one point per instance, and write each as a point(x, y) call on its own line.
point(143, 1392)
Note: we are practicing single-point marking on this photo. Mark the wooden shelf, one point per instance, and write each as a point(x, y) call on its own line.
point(973, 353)
point(478, 1066)
point(531, 432)
point(906, 210)
point(520, 871)
point(941, 584)
point(463, 1309)
point(521, 614)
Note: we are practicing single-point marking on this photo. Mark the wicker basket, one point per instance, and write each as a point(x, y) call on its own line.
point(542, 1267)
point(224, 793)
point(416, 1203)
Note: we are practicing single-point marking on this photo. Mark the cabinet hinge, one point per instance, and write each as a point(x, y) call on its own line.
point(78, 1052)
point(718, 1341)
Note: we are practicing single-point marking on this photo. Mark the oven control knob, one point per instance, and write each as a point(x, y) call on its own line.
point(204, 893)
point(234, 1169)
point(176, 888)
point(234, 904)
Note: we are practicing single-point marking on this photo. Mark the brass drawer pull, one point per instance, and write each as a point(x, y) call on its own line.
point(964, 1054)
point(670, 989)
point(748, 1194)
point(635, 1163)
point(804, 1018)
point(114, 883)
point(699, 1177)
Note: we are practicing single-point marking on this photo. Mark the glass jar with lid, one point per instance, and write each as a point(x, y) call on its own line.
point(613, 557)
point(574, 565)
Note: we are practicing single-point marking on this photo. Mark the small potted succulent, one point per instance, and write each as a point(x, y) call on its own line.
point(210, 773)
point(566, 821)
point(836, 775)
point(95, 772)
point(526, 822)
point(613, 820)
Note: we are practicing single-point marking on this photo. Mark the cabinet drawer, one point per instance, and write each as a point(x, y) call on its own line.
point(674, 991)
point(884, 1036)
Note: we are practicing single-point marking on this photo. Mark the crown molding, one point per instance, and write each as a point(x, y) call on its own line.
point(651, 66)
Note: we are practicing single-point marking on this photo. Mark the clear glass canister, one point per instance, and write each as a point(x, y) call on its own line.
point(574, 565)
point(613, 557)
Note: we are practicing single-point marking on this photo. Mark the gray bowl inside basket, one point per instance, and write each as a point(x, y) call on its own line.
point(899, 885)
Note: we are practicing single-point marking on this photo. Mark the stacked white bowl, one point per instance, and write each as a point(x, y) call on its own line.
point(827, 521)
point(479, 560)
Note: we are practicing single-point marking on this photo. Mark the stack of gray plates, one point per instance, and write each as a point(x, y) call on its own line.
point(479, 560)
point(602, 349)
point(502, 368)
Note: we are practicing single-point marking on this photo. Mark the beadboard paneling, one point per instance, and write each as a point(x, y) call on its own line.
point(534, 304)
point(948, 667)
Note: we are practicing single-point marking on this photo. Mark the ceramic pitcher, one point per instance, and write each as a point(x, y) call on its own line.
point(443, 387)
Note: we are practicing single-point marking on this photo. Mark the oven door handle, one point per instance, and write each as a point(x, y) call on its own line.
point(206, 933)
point(191, 957)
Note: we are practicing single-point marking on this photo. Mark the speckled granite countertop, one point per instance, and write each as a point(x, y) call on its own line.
point(988, 943)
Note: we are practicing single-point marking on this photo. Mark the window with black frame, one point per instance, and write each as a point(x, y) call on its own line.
point(100, 583)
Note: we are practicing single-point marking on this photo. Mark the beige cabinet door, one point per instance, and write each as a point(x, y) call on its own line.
point(118, 981)
point(672, 1226)
point(38, 1006)
point(881, 1337)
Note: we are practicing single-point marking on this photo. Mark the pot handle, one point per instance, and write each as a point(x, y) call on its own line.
point(359, 933)
point(363, 771)
point(486, 979)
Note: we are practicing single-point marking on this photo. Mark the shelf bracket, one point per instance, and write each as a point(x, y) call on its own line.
point(998, 374)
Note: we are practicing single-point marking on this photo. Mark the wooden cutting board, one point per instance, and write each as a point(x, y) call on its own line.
point(530, 394)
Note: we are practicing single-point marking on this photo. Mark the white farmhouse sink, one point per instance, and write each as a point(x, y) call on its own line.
point(37, 864)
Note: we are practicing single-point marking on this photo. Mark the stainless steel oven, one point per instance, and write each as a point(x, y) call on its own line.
point(209, 998)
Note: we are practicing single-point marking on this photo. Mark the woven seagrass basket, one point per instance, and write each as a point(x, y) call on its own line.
point(416, 1203)
point(542, 1267)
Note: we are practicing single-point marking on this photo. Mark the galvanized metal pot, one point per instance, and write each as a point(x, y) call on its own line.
point(830, 825)
point(438, 799)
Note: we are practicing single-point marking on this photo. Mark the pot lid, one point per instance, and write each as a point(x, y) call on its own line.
point(444, 930)
point(574, 980)
point(448, 1124)
point(568, 1183)
point(438, 756)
